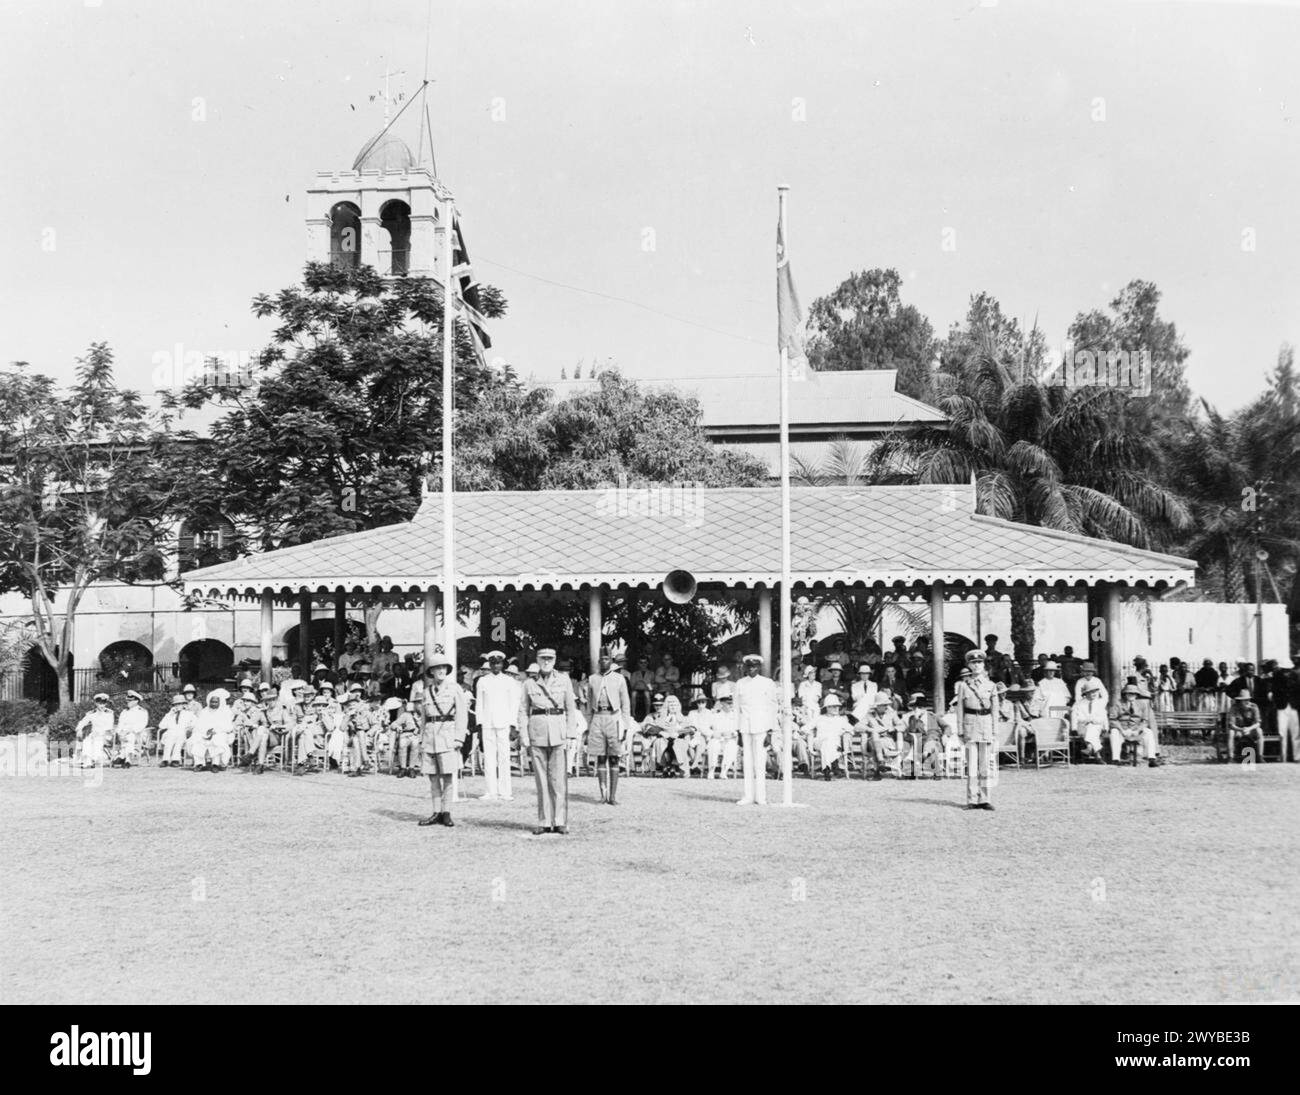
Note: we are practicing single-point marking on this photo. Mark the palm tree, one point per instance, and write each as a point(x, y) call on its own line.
point(1240, 475)
point(1071, 459)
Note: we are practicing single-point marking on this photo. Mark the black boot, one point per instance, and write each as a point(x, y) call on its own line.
point(433, 819)
point(445, 819)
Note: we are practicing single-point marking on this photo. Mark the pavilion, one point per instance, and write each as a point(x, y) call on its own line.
point(925, 542)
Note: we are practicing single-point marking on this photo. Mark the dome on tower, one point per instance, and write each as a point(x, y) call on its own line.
point(384, 153)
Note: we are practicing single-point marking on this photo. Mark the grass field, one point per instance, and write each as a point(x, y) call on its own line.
point(1094, 884)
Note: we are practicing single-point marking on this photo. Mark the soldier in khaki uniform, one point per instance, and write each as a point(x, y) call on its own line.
point(975, 707)
point(547, 709)
point(609, 714)
point(444, 714)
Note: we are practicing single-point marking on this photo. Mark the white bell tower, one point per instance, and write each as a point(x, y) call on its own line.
point(386, 212)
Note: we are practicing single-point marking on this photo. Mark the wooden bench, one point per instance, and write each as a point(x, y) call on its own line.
point(1171, 725)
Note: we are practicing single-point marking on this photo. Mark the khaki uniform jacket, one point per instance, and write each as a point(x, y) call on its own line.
point(444, 714)
point(548, 710)
point(609, 692)
point(971, 698)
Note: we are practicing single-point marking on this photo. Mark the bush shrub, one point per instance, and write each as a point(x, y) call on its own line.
point(21, 716)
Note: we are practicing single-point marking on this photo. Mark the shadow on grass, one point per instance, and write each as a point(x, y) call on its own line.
point(936, 802)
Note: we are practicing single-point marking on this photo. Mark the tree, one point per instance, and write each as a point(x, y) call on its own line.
point(336, 426)
point(84, 497)
point(617, 433)
point(864, 324)
point(522, 438)
point(1241, 473)
point(1134, 325)
point(1074, 459)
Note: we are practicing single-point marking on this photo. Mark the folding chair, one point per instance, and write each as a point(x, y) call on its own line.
point(1008, 739)
point(1051, 738)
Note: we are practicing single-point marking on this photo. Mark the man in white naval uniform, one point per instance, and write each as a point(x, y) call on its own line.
point(757, 715)
point(496, 709)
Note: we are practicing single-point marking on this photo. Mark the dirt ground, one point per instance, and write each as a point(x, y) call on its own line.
point(1095, 884)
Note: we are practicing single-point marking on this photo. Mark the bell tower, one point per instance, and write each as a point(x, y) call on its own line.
point(385, 212)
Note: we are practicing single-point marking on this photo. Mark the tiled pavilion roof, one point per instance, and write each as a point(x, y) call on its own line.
point(892, 536)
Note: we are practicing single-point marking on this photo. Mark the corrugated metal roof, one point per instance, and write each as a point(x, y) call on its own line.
point(514, 539)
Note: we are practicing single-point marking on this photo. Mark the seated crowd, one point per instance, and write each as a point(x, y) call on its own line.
point(867, 709)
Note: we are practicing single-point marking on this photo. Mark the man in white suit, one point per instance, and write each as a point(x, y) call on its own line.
point(757, 715)
point(496, 709)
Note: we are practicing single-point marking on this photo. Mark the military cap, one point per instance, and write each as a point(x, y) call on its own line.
point(495, 656)
point(134, 695)
point(973, 656)
point(101, 696)
point(545, 652)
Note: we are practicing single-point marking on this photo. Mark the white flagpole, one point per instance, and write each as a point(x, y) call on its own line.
point(787, 693)
point(448, 398)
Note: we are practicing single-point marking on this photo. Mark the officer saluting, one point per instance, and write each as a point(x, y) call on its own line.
point(547, 710)
point(975, 707)
point(444, 711)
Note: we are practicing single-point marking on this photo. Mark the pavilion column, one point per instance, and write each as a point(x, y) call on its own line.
point(485, 640)
point(936, 647)
point(430, 624)
point(765, 629)
point(304, 634)
point(340, 625)
point(595, 626)
point(1110, 667)
point(268, 634)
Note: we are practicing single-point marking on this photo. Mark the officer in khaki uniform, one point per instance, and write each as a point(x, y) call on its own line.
point(547, 710)
point(976, 710)
point(444, 714)
point(609, 714)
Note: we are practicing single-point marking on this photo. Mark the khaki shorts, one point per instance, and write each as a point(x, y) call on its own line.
point(603, 738)
point(440, 764)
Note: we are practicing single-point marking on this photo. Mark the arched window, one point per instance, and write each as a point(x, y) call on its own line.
point(205, 660)
point(202, 544)
point(345, 235)
point(395, 219)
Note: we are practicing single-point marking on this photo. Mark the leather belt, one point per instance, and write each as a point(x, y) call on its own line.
point(977, 710)
point(442, 718)
point(547, 711)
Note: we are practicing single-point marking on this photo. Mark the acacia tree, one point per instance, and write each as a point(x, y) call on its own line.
point(83, 496)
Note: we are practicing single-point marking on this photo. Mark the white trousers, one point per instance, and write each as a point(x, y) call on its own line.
point(1288, 725)
point(755, 769)
point(496, 761)
point(1146, 739)
point(173, 744)
point(724, 750)
point(1091, 734)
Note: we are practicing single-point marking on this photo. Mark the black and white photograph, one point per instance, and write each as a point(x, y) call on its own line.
point(660, 503)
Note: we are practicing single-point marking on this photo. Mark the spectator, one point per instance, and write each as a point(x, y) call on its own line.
point(1244, 722)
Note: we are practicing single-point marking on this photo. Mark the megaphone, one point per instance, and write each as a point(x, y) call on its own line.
point(679, 586)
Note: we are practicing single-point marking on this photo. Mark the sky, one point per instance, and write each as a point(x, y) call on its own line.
point(157, 156)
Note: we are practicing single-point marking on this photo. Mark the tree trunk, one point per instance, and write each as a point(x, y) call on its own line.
point(1022, 626)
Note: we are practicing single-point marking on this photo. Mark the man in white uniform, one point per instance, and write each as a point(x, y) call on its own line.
point(757, 715)
point(95, 731)
point(1053, 692)
point(132, 730)
point(1089, 718)
point(175, 727)
point(496, 709)
point(722, 735)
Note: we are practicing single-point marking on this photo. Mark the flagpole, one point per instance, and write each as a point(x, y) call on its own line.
point(448, 398)
point(787, 694)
